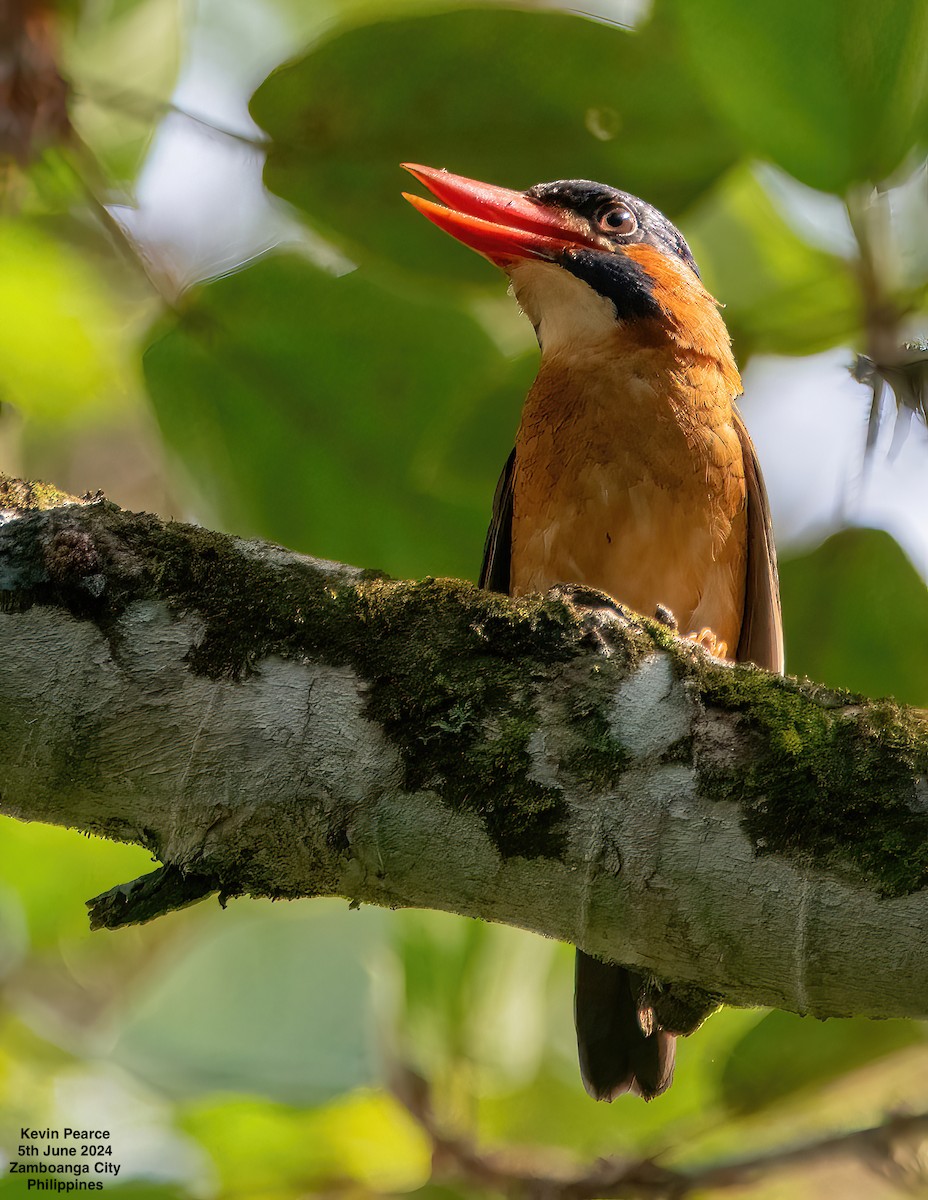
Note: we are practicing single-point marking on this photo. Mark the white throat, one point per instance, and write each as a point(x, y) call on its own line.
point(566, 312)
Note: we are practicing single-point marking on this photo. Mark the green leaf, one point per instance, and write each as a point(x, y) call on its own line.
point(507, 96)
point(474, 995)
point(834, 91)
point(264, 1149)
point(275, 1002)
point(855, 615)
point(553, 1108)
point(18, 1189)
point(123, 58)
point(140, 1190)
point(781, 295)
point(63, 338)
point(471, 439)
point(785, 1053)
point(309, 409)
point(51, 871)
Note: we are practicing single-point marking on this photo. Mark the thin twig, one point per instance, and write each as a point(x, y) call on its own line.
point(456, 1157)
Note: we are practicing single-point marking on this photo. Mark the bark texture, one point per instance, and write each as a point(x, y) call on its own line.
point(271, 724)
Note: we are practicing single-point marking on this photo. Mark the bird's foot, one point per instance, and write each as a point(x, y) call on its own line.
point(579, 596)
point(597, 612)
point(663, 614)
point(709, 642)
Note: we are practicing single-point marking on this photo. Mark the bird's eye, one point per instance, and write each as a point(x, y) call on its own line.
point(616, 218)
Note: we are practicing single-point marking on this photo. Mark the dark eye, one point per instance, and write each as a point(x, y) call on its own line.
point(616, 218)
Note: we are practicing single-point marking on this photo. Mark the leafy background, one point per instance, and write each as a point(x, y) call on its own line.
point(305, 359)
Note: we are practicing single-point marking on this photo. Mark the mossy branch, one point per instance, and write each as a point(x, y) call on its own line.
point(274, 725)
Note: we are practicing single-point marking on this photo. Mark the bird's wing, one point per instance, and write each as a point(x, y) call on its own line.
point(761, 640)
point(497, 550)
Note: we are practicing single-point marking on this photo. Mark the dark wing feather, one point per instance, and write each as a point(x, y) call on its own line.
point(497, 550)
point(616, 1055)
point(761, 640)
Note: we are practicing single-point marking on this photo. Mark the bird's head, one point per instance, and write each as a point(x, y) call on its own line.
point(583, 258)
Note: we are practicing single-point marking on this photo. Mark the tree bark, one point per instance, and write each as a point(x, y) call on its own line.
point(276, 725)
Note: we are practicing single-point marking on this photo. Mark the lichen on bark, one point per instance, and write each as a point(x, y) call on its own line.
point(824, 775)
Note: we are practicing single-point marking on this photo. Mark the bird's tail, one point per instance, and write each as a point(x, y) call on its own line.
point(621, 1047)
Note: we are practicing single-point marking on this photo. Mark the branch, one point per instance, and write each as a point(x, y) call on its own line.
point(275, 725)
point(890, 1149)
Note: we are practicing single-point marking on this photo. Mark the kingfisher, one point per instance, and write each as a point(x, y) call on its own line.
point(632, 473)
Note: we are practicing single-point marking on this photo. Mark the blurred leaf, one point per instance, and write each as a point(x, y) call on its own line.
point(307, 22)
point(855, 615)
point(261, 1148)
point(304, 406)
point(474, 996)
point(834, 91)
point(122, 60)
point(277, 1003)
point(908, 205)
point(439, 1191)
point(507, 96)
point(52, 871)
point(785, 1053)
point(553, 1109)
point(139, 1190)
point(438, 954)
point(12, 1189)
point(63, 347)
point(781, 295)
point(470, 439)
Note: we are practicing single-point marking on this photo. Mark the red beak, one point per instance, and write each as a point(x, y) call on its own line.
point(499, 224)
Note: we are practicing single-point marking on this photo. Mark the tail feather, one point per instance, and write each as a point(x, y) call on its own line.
point(621, 1048)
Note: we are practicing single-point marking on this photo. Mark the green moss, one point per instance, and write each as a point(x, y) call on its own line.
point(823, 780)
point(451, 671)
point(681, 751)
point(663, 637)
point(453, 677)
point(682, 1007)
point(23, 496)
point(595, 756)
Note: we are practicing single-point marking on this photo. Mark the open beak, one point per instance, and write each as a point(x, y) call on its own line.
point(497, 223)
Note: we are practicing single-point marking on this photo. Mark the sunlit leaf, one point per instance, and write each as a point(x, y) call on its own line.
point(51, 872)
point(508, 96)
point(855, 613)
point(307, 407)
point(781, 295)
point(786, 1053)
point(834, 91)
point(136, 1189)
point(261, 1148)
point(63, 348)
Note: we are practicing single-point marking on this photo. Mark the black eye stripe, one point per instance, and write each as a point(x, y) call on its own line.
point(618, 278)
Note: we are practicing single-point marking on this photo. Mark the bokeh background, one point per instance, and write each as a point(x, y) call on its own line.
point(214, 305)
